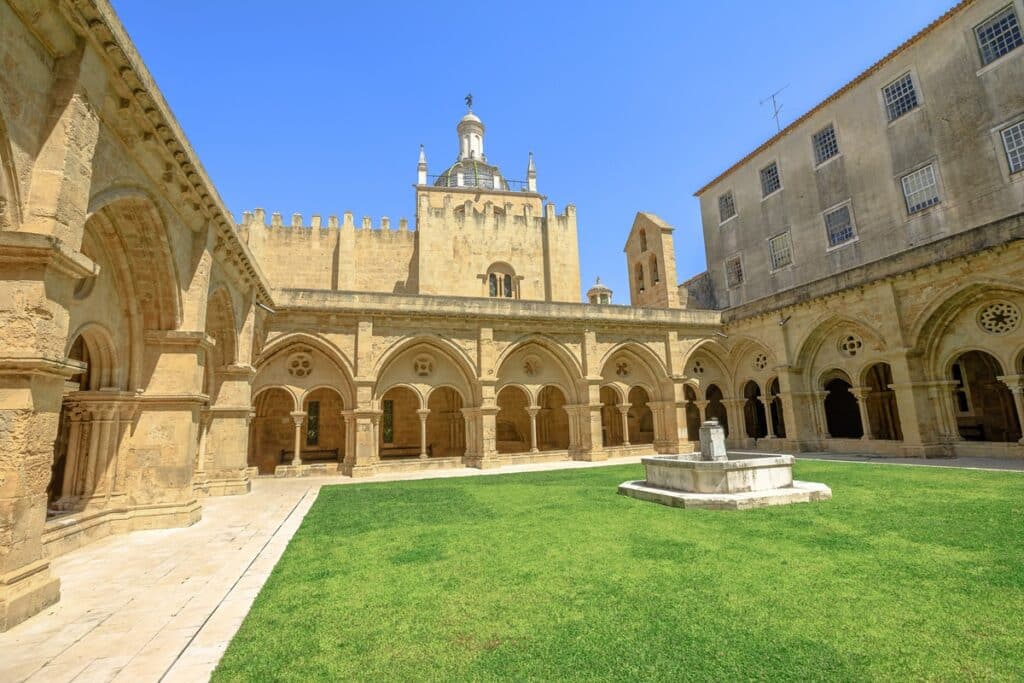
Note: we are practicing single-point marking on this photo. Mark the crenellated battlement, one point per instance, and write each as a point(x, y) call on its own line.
point(316, 228)
point(494, 215)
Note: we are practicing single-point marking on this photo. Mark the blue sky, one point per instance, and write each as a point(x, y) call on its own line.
point(320, 107)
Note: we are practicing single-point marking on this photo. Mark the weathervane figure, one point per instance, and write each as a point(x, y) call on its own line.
point(469, 101)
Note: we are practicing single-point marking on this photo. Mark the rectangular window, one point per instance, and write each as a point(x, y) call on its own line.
point(770, 179)
point(998, 35)
point(781, 250)
point(920, 189)
point(900, 97)
point(313, 423)
point(825, 145)
point(726, 207)
point(961, 394)
point(387, 422)
point(734, 271)
point(839, 226)
point(1013, 142)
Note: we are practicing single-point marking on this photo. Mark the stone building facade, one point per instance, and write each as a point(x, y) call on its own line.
point(156, 352)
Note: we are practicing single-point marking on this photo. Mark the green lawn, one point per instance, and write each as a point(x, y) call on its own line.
point(908, 572)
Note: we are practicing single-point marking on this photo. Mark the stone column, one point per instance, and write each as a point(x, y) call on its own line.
point(532, 412)
point(861, 394)
point(737, 419)
point(1016, 385)
point(423, 413)
point(624, 411)
point(821, 417)
point(298, 417)
point(769, 422)
point(702, 406)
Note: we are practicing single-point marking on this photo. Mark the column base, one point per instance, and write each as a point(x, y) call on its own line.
point(481, 462)
point(26, 591)
point(228, 482)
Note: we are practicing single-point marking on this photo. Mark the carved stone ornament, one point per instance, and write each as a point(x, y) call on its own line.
point(531, 366)
point(423, 365)
point(300, 364)
point(850, 345)
point(999, 317)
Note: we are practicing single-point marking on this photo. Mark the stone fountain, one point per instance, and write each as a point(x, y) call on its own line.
point(719, 480)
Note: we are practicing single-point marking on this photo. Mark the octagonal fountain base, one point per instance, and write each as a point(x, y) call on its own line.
point(719, 480)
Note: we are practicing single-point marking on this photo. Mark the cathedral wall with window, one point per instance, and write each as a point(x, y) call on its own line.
point(911, 152)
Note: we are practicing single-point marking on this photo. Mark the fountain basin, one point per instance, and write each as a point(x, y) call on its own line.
point(738, 483)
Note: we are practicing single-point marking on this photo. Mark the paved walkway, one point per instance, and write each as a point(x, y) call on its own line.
point(163, 605)
point(1012, 464)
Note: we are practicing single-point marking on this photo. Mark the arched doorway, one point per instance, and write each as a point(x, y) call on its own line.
point(984, 406)
point(883, 414)
point(324, 439)
point(611, 418)
point(446, 425)
point(641, 420)
point(692, 414)
point(754, 417)
point(552, 420)
point(842, 416)
point(715, 408)
point(272, 431)
point(776, 414)
point(399, 429)
point(512, 422)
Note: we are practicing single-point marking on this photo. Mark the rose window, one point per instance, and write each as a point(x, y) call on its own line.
point(999, 317)
point(300, 364)
point(760, 361)
point(850, 345)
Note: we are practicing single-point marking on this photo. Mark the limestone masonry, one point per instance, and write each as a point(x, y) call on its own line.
point(864, 292)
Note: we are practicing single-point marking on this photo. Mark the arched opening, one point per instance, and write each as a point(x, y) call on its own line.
point(502, 282)
point(842, 416)
point(883, 414)
point(778, 420)
point(324, 439)
point(638, 273)
point(692, 414)
point(611, 418)
point(643, 240)
point(715, 409)
point(272, 431)
point(641, 420)
point(446, 426)
point(399, 431)
point(655, 276)
point(552, 420)
point(984, 406)
point(754, 418)
point(512, 422)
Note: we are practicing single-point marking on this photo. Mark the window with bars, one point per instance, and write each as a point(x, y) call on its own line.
point(900, 96)
point(781, 250)
point(825, 145)
point(839, 226)
point(734, 271)
point(313, 423)
point(998, 35)
point(770, 181)
point(1013, 142)
point(726, 207)
point(920, 189)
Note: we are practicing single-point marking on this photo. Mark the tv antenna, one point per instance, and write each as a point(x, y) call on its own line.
point(776, 107)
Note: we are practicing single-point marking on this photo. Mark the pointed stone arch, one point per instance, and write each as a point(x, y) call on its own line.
point(326, 366)
point(10, 196)
point(425, 362)
point(535, 361)
point(129, 217)
point(814, 340)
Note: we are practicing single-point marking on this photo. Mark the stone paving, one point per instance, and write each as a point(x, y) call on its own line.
point(1012, 464)
point(163, 605)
